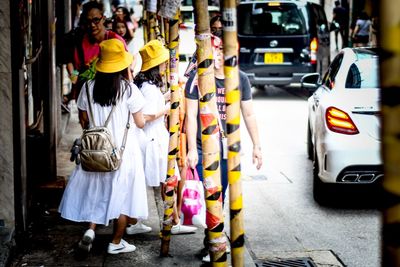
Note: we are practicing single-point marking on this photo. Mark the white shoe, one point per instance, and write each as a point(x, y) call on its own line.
point(182, 229)
point(138, 228)
point(228, 247)
point(206, 258)
point(87, 240)
point(122, 247)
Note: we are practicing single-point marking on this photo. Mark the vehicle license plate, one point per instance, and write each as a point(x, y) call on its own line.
point(273, 58)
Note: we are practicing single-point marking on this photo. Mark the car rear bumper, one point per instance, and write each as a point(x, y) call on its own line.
point(278, 75)
point(350, 160)
point(255, 80)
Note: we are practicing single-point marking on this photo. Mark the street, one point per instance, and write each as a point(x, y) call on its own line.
point(282, 220)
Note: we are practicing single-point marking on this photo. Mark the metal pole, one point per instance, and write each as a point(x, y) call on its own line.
point(390, 84)
point(209, 135)
point(231, 73)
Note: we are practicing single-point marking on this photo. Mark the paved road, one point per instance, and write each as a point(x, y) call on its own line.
point(281, 217)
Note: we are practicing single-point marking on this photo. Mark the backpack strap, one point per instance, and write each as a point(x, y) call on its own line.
point(91, 110)
point(122, 148)
point(108, 120)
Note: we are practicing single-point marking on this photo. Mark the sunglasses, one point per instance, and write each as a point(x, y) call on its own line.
point(95, 20)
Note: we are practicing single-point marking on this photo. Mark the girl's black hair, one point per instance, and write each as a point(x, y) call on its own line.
point(151, 76)
point(125, 11)
point(89, 6)
point(217, 17)
point(107, 87)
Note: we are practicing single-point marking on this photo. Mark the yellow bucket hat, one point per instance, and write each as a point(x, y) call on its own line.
point(113, 56)
point(153, 54)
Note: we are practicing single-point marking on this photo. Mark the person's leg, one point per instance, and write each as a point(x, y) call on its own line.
point(85, 243)
point(336, 39)
point(342, 35)
point(132, 220)
point(119, 229)
point(181, 183)
point(118, 245)
point(224, 178)
point(177, 227)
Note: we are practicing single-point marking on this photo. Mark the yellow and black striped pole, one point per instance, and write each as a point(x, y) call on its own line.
point(390, 84)
point(145, 25)
point(174, 128)
point(152, 21)
point(209, 135)
point(231, 72)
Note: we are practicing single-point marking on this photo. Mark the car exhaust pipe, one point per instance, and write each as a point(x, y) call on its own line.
point(360, 177)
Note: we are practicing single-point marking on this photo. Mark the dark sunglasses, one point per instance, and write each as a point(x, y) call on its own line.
point(94, 20)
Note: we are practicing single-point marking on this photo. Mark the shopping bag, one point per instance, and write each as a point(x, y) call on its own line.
point(193, 210)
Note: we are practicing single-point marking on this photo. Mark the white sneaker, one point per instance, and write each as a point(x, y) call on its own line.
point(228, 247)
point(87, 240)
point(138, 228)
point(206, 258)
point(122, 247)
point(182, 229)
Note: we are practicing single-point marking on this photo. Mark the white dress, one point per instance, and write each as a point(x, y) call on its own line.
point(99, 197)
point(156, 156)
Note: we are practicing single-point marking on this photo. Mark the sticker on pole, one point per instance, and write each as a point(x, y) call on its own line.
point(151, 6)
point(229, 19)
point(169, 8)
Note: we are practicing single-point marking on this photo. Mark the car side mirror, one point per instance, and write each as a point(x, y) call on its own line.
point(310, 81)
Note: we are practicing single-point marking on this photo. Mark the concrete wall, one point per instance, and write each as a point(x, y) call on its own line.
point(6, 129)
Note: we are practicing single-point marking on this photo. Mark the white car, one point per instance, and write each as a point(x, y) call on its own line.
point(344, 124)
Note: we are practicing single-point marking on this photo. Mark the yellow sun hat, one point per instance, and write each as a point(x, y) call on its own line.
point(153, 54)
point(113, 56)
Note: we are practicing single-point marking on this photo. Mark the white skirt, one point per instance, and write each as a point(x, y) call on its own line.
point(100, 197)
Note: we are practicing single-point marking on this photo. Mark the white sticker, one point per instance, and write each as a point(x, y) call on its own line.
point(169, 8)
point(151, 6)
point(229, 19)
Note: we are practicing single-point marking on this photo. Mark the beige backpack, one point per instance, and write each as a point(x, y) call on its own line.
point(98, 152)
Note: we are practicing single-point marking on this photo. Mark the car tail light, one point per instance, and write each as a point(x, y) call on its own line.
point(314, 48)
point(339, 121)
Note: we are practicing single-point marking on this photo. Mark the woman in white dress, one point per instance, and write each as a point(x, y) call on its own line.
point(98, 197)
point(154, 55)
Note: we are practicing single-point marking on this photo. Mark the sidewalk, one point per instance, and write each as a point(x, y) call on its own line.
point(53, 240)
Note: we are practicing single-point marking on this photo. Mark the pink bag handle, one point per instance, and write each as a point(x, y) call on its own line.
point(191, 174)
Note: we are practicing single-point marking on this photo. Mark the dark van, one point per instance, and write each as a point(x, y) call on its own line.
point(280, 41)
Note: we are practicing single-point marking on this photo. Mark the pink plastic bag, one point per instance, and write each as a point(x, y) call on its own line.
point(193, 210)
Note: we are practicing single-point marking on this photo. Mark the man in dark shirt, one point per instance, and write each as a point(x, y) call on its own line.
point(193, 131)
point(340, 15)
point(194, 156)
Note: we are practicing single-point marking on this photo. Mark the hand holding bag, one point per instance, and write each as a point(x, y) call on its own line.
point(193, 210)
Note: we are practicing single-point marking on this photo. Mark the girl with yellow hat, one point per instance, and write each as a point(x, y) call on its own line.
point(154, 56)
point(98, 197)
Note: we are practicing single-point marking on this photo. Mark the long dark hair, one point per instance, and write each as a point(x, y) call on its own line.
point(151, 76)
point(87, 7)
point(107, 87)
